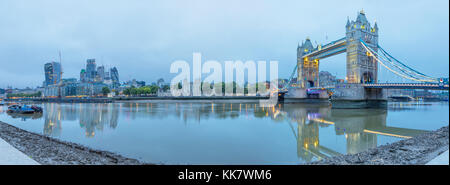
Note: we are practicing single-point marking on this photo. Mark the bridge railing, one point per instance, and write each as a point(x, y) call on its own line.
point(334, 42)
point(430, 86)
point(404, 84)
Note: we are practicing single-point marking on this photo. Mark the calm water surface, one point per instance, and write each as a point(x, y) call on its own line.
point(230, 133)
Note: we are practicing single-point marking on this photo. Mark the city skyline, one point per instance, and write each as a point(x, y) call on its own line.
point(143, 47)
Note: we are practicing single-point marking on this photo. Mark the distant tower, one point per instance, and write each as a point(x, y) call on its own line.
point(308, 71)
point(83, 76)
point(91, 72)
point(52, 73)
point(361, 68)
point(114, 77)
point(100, 73)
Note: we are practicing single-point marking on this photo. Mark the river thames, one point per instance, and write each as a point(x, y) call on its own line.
point(230, 133)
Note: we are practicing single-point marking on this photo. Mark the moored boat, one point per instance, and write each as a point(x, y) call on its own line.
point(36, 109)
point(25, 109)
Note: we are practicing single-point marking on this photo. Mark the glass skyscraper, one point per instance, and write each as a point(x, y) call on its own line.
point(114, 77)
point(91, 70)
point(53, 72)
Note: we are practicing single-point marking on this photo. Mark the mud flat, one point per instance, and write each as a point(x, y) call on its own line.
point(414, 151)
point(50, 151)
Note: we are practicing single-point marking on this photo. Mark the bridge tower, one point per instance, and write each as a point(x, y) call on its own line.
point(361, 68)
point(308, 70)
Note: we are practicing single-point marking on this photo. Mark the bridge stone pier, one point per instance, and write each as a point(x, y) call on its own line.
point(357, 96)
point(297, 93)
point(302, 95)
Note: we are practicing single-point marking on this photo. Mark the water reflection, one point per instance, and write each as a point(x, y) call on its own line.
point(360, 127)
point(91, 117)
point(24, 117)
point(351, 123)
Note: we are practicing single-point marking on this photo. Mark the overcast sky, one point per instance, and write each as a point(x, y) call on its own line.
point(142, 38)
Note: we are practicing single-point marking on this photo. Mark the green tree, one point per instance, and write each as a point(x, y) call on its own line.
point(153, 89)
point(21, 95)
point(105, 91)
point(139, 91)
point(145, 90)
point(223, 87)
point(165, 88)
point(133, 91)
point(127, 91)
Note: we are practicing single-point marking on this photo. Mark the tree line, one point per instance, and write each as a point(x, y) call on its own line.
point(139, 91)
point(24, 95)
point(222, 86)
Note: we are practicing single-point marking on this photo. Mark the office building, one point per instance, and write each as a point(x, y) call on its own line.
point(91, 70)
point(53, 73)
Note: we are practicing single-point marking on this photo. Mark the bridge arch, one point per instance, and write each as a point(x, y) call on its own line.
point(367, 77)
point(311, 83)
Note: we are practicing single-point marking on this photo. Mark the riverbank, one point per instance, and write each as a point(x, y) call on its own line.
point(50, 151)
point(140, 98)
point(418, 150)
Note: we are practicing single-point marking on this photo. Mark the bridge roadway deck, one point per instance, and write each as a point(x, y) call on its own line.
point(407, 86)
point(332, 48)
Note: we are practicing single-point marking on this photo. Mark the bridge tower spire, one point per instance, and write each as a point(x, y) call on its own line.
point(361, 68)
point(308, 70)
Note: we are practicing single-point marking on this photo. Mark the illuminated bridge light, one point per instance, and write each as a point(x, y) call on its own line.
point(386, 134)
point(323, 121)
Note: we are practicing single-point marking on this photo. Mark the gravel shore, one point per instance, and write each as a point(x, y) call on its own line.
point(414, 151)
point(50, 151)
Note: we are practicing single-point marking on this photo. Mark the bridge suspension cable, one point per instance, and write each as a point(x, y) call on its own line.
point(290, 78)
point(405, 71)
point(411, 69)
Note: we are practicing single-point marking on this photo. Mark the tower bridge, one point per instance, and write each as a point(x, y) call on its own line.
point(361, 68)
point(364, 56)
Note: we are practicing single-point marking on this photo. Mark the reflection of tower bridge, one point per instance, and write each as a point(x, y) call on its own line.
point(359, 127)
point(363, 56)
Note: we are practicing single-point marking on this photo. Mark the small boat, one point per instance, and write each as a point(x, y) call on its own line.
point(36, 109)
point(401, 98)
point(21, 109)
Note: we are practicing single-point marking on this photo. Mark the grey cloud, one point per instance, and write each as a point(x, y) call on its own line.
point(142, 38)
